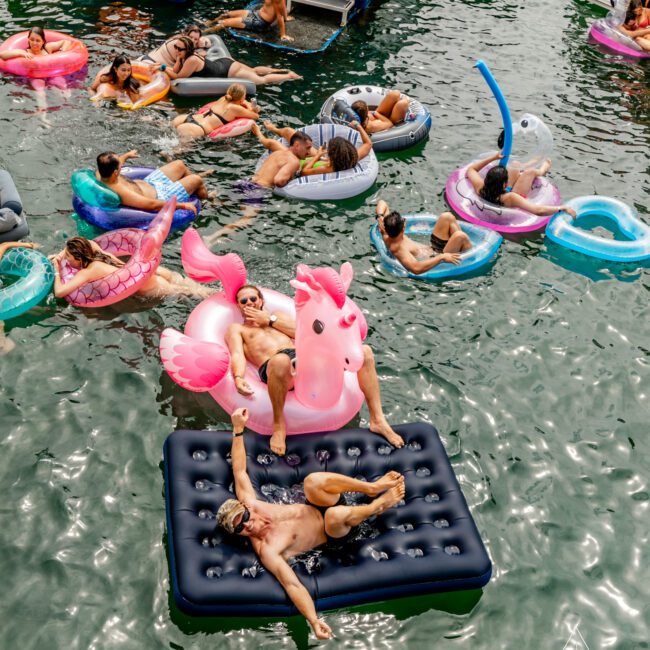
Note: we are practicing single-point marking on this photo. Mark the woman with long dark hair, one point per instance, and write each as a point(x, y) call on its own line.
point(637, 24)
point(117, 81)
point(37, 46)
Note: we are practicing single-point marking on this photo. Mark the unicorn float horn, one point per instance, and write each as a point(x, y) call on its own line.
point(204, 266)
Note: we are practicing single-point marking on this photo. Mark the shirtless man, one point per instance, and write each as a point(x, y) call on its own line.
point(279, 532)
point(152, 192)
point(266, 340)
point(447, 241)
point(255, 20)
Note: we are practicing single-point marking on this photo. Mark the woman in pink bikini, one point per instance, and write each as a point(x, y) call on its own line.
point(637, 24)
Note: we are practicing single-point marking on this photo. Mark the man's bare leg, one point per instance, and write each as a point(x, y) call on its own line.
point(325, 488)
point(369, 384)
point(339, 520)
point(280, 382)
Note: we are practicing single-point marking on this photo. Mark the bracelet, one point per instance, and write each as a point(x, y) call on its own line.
point(236, 435)
point(163, 67)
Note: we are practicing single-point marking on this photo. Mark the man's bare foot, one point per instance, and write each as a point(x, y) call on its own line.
point(279, 441)
point(207, 172)
point(217, 27)
point(256, 131)
point(294, 75)
point(391, 497)
point(384, 429)
point(386, 482)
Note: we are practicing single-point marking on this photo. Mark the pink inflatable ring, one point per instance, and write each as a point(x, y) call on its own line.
point(144, 248)
point(466, 203)
point(327, 394)
point(56, 64)
point(232, 129)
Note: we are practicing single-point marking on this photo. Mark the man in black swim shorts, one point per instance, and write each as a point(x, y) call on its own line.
point(266, 339)
point(279, 532)
point(257, 20)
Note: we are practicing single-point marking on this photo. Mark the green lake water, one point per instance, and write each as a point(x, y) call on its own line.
point(536, 373)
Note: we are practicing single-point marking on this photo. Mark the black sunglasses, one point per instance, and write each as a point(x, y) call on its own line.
point(180, 49)
point(243, 301)
point(240, 526)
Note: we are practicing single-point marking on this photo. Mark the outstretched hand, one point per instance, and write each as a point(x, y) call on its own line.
point(321, 629)
point(239, 418)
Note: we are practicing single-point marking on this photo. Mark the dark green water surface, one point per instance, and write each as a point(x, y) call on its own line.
point(537, 373)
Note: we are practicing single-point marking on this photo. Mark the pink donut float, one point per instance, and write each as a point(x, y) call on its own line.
point(144, 249)
point(234, 128)
point(56, 64)
point(330, 330)
point(466, 203)
point(616, 41)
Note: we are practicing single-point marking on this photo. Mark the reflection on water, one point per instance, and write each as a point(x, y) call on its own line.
point(537, 372)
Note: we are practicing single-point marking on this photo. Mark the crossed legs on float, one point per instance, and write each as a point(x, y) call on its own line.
point(523, 181)
point(280, 381)
point(394, 108)
point(325, 489)
point(447, 228)
point(369, 384)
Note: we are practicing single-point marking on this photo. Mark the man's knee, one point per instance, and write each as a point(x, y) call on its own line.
point(368, 356)
point(446, 219)
point(336, 520)
point(179, 167)
point(314, 481)
point(279, 367)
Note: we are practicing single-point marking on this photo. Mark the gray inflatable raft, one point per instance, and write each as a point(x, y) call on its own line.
point(211, 86)
point(13, 224)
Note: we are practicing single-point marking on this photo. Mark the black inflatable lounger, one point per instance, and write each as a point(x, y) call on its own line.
point(429, 544)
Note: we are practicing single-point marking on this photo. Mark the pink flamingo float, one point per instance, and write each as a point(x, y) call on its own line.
point(330, 330)
point(145, 250)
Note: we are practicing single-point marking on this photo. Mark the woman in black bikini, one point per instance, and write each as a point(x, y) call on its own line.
point(231, 106)
point(188, 63)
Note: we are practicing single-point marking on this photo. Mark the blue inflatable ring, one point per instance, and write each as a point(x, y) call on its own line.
point(563, 230)
point(99, 205)
point(35, 277)
point(485, 244)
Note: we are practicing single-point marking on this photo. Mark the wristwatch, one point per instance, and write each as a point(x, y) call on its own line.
point(272, 319)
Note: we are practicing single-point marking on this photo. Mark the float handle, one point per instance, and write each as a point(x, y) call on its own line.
point(503, 107)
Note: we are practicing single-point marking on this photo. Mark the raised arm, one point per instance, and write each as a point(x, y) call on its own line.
point(473, 171)
point(296, 591)
point(243, 486)
point(235, 344)
point(366, 146)
point(268, 143)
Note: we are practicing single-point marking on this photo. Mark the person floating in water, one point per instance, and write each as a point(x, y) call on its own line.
point(447, 241)
point(255, 20)
point(267, 341)
point(392, 110)
point(279, 532)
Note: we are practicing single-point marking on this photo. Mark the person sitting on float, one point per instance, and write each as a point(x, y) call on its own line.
point(152, 192)
point(116, 81)
point(95, 264)
point(190, 64)
point(341, 153)
point(267, 341)
point(279, 531)
point(168, 53)
point(447, 241)
point(391, 111)
point(510, 187)
point(232, 106)
point(255, 20)
point(38, 46)
point(637, 24)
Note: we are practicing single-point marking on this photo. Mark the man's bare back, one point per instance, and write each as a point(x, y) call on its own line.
point(278, 160)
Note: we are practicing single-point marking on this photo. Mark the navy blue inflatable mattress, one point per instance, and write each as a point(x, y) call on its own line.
point(427, 544)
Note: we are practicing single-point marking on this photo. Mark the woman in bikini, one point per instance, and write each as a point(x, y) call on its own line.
point(637, 24)
point(510, 187)
point(94, 264)
point(392, 110)
point(231, 106)
point(116, 82)
point(38, 46)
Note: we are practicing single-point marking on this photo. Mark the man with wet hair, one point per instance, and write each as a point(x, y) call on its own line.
point(267, 341)
point(153, 191)
point(447, 241)
point(279, 532)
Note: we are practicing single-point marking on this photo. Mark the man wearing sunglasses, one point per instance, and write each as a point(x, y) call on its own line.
point(279, 532)
point(267, 341)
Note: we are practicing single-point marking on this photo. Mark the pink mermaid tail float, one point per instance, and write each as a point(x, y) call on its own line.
point(51, 65)
point(330, 330)
point(144, 249)
point(466, 203)
point(232, 129)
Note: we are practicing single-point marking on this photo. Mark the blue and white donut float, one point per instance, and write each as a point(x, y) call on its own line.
point(337, 185)
point(562, 229)
point(337, 109)
point(101, 206)
point(485, 244)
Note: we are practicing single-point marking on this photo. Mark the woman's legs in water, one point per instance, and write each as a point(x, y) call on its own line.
point(169, 283)
point(238, 69)
point(524, 182)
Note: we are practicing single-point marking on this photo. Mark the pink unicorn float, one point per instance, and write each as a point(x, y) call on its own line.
point(144, 249)
point(329, 334)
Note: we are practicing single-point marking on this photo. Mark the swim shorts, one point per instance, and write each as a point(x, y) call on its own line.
point(290, 352)
point(252, 193)
point(254, 22)
point(165, 187)
point(438, 244)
